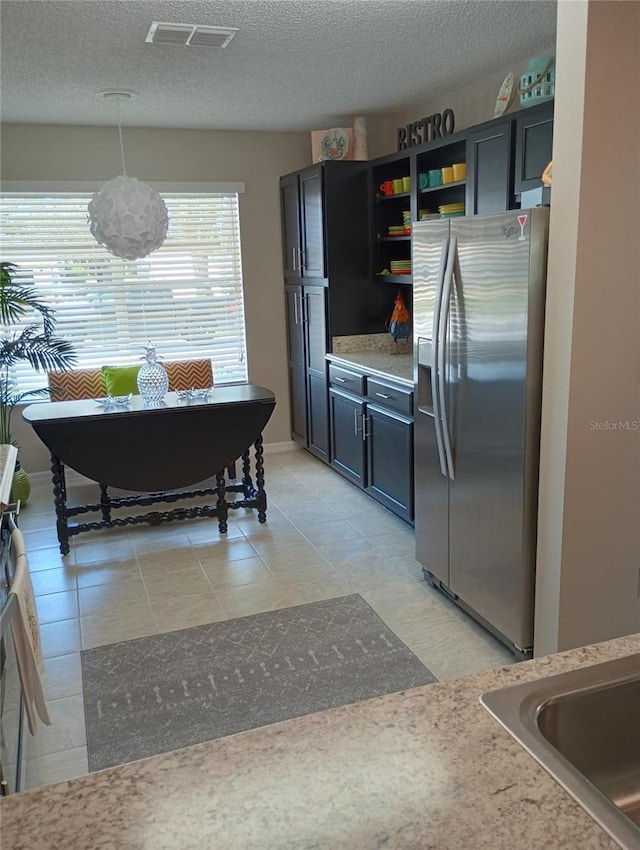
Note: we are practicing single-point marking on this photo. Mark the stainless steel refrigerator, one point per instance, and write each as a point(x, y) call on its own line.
point(478, 316)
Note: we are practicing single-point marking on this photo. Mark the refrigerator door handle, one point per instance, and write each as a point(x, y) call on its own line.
point(435, 369)
point(443, 324)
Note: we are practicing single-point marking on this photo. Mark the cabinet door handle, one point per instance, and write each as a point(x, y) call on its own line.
point(382, 395)
point(293, 258)
point(339, 380)
point(355, 422)
point(365, 422)
point(295, 308)
point(301, 258)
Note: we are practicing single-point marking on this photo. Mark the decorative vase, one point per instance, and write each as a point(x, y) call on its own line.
point(21, 485)
point(153, 381)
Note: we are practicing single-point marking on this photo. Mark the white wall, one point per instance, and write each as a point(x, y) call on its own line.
point(589, 529)
point(32, 152)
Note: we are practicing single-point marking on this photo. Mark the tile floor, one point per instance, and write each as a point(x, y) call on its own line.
point(323, 538)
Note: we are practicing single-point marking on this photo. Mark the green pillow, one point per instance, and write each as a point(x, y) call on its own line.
point(120, 380)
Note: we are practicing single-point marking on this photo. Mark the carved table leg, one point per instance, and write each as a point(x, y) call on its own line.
point(247, 483)
point(261, 496)
point(221, 505)
point(105, 503)
point(60, 502)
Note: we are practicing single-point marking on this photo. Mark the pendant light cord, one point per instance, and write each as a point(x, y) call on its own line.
point(124, 170)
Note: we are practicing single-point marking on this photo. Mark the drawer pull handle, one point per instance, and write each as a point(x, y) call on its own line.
point(340, 380)
point(382, 395)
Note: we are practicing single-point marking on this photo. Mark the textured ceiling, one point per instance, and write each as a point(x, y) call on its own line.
point(293, 65)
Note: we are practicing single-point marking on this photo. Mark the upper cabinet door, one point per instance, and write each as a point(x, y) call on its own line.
point(290, 208)
point(312, 224)
point(489, 177)
point(534, 147)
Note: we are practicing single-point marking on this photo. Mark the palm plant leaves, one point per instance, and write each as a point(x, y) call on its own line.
point(18, 301)
point(34, 344)
point(41, 351)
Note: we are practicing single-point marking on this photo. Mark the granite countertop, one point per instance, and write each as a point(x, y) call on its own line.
point(424, 769)
point(386, 364)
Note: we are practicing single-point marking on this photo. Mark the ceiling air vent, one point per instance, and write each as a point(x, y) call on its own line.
point(190, 35)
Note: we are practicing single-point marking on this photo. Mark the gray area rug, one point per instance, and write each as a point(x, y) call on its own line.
point(160, 693)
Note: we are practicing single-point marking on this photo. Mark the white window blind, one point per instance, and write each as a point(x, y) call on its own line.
point(186, 297)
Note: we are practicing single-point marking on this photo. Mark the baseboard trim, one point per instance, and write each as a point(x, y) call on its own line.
point(279, 448)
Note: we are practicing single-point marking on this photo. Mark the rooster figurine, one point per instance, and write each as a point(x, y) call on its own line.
point(398, 325)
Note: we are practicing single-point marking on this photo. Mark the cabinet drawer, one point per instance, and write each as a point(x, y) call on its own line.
point(387, 395)
point(346, 380)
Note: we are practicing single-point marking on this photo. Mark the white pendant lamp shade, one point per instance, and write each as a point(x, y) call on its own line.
point(128, 218)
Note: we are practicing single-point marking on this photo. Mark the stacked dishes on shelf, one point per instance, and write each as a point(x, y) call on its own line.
point(451, 210)
point(396, 230)
point(400, 266)
point(406, 219)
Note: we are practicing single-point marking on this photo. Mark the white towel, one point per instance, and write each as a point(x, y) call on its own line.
point(26, 635)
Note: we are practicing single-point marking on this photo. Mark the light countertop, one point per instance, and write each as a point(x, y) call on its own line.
point(425, 768)
point(386, 364)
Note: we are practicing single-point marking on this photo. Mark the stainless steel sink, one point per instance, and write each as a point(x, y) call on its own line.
point(583, 727)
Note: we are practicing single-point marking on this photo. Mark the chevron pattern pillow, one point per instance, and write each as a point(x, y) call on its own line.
point(76, 384)
point(189, 374)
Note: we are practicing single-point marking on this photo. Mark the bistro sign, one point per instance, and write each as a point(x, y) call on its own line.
point(426, 129)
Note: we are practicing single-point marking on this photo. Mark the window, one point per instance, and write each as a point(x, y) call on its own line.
point(186, 297)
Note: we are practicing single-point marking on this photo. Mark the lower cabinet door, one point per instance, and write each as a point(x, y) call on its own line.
point(347, 442)
point(390, 460)
point(298, 402)
point(318, 418)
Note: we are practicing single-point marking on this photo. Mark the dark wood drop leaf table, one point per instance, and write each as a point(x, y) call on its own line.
point(155, 452)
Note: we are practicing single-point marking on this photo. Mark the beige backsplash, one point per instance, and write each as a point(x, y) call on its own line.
point(369, 342)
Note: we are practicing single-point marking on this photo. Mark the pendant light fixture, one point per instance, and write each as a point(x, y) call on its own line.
point(126, 216)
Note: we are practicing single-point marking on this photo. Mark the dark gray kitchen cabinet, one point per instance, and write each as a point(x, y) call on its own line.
point(318, 416)
point(303, 242)
point(306, 348)
point(348, 454)
point(389, 439)
point(315, 318)
point(372, 436)
point(325, 258)
point(296, 363)
point(290, 213)
point(312, 239)
point(325, 223)
point(489, 172)
point(534, 146)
